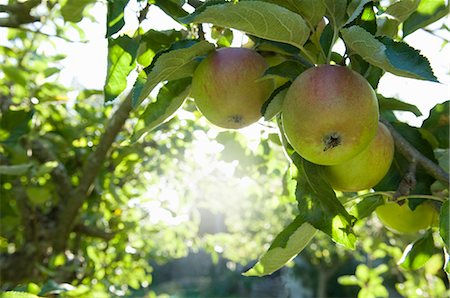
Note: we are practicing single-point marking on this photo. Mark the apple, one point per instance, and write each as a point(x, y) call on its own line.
point(228, 87)
point(367, 168)
point(403, 220)
point(330, 114)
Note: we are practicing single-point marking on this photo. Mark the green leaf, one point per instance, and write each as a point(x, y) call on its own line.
point(290, 242)
point(273, 105)
point(15, 170)
point(72, 10)
point(437, 123)
point(115, 18)
point(172, 7)
point(290, 69)
point(355, 9)
point(121, 61)
point(366, 206)
point(15, 74)
point(14, 294)
point(393, 104)
point(311, 10)
point(348, 280)
point(258, 18)
point(444, 224)
point(401, 10)
point(38, 195)
point(418, 253)
point(428, 11)
point(335, 11)
point(170, 98)
point(14, 124)
point(395, 57)
point(319, 206)
point(175, 63)
point(154, 41)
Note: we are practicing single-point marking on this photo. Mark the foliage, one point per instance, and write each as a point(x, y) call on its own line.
point(98, 187)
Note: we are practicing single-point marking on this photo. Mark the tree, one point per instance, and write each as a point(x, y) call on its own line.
point(72, 168)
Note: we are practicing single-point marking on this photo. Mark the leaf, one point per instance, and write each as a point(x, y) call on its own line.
point(366, 206)
point(38, 195)
point(172, 8)
point(354, 9)
point(72, 10)
point(418, 253)
point(170, 98)
point(336, 12)
point(273, 105)
point(395, 57)
point(175, 63)
point(15, 294)
point(319, 206)
point(290, 69)
point(393, 104)
point(287, 244)
point(401, 10)
point(15, 74)
point(14, 124)
point(444, 224)
point(437, 123)
point(428, 12)
point(121, 61)
point(15, 170)
point(311, 10)
point(115, 17)
point(154, 41)
point(258, 18)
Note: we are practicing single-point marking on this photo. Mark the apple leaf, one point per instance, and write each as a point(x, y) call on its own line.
point(418, 253)
point(273, 105)
point(177, 62)
point(265, 20)
point(15, 170)
point(444, 224)
point(393, 104)
point(319, 206)
point(366, 206)
point(172, 7)
point(38, 195)
point(335, 11)
point(115, 18)
point(395, 57)
point(428, 11)
point(15, 294)
point(290, 69)
point(121, 61)
point(72, 10)
point(354, 9)
point(311, 10)
point(438, 123)
point(401, 10)
point(14, 124)
point(287, 244)
point(170, 98)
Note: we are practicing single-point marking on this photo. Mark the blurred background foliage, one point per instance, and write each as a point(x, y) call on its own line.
point(182, 212)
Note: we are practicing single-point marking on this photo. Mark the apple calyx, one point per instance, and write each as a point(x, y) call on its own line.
point(332, 140)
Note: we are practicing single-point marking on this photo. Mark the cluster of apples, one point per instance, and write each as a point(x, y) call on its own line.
point(330, 115)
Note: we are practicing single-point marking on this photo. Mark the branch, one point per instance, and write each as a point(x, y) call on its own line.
point(93, 232)
point(413, 155)
point(408, 182)
point(92, 167)
point(19, 14)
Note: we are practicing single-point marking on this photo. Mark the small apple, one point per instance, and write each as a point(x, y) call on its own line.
point(367, 168)
point(228, 88)
point(330, 114)
point(403, 220)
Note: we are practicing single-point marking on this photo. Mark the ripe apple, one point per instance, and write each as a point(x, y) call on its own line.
point(228, 88)
point(330, 114)
point(403, 220)
point(367, 168)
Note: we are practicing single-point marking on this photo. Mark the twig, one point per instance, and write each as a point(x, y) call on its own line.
point(93, 232)
point(408, 182)
point(412, 154)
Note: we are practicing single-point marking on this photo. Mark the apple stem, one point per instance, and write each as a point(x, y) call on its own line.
point(408, 182)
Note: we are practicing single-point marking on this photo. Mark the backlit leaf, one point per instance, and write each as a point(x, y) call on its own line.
point(428, 11)
point(115, 17)
point(72, 10)
point(418, 253)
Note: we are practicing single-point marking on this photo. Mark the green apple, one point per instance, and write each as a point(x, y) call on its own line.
point(330, 114)
point(403, 220)
point(367, 168)
point(228, 88)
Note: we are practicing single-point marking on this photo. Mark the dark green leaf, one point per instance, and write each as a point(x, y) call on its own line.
point(335, 11)
point(393, 104)
point(418, 253)
point(355, 9)
point(177, 62)
point(319, 206)
point(438, 123)
point(115, 18)
point(258, 18)
point(172, 7)
point(72, 10)
point(290, 242)
point(444, 224)
point(366, 206)
point(170, 98)
point(14, 124)
point(273, 105)
point(428, 11)
point(121, 61)
point(287, 69)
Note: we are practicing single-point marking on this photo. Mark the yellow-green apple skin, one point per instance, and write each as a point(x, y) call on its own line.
point(367, 168)
point(228, 88)
point(330, 114)
point(403, 220)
